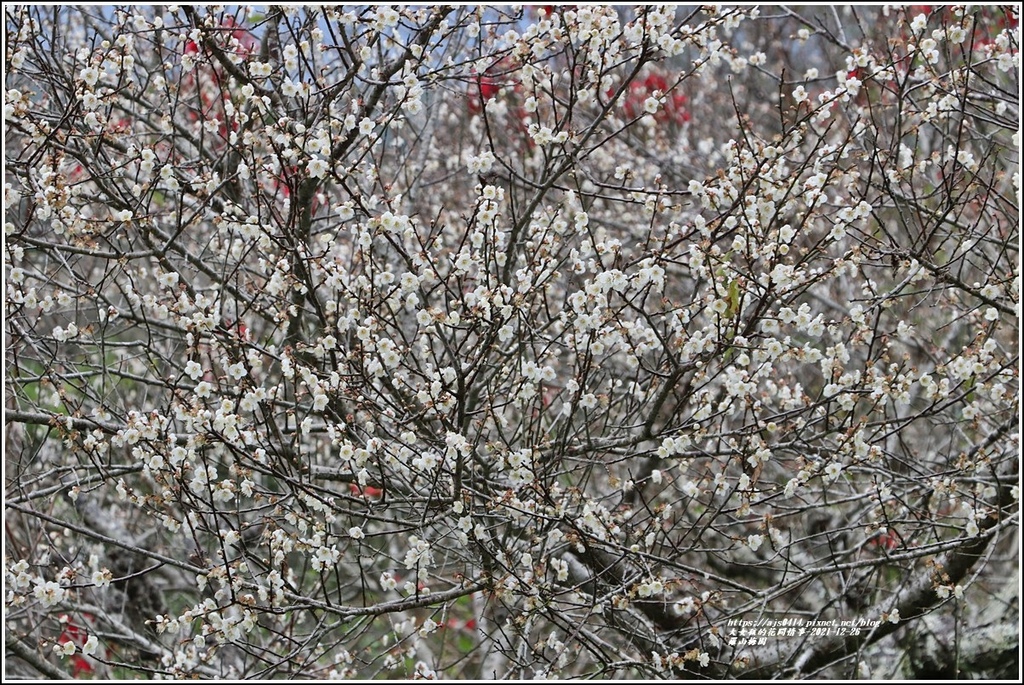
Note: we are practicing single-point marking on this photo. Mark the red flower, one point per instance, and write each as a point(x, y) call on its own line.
point(547, 10)
point(677, 111)
point(656, 81)
point(484, 88)
point(76, 634)
point(488, 87)
point(673, 107)
point(237, 328)
point(366, 491)
point(886, 539)
point(245, 39)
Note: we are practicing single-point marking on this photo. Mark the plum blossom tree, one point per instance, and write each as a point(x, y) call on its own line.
point(511, 342)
